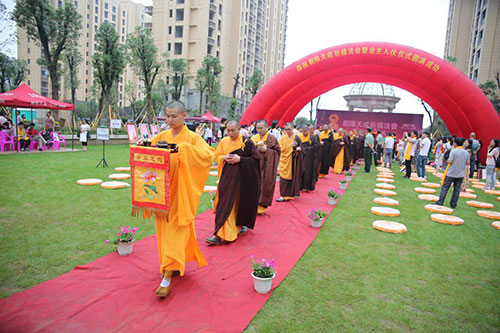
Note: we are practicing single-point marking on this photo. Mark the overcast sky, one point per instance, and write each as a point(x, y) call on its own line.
point(317, 24)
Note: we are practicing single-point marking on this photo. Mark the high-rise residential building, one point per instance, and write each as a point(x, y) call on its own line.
point(473, 38)
point(124, 15)
point(244, 34)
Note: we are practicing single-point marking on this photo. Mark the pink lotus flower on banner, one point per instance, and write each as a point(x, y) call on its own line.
point(149, 176)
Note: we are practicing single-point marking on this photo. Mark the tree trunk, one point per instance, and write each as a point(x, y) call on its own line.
point(201, 102)
point(54, 84)
point(73, 100)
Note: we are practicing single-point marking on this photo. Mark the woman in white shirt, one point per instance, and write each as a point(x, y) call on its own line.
point(493, 155)
point(84, 130)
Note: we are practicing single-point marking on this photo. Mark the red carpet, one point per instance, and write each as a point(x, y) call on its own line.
point(117, 293)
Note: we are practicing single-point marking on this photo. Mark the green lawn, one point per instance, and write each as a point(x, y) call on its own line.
point(353, 278)
point(435, 277)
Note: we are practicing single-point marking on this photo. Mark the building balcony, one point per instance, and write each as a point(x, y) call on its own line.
point(212, 24)
point(213, 7)
point(211, 41)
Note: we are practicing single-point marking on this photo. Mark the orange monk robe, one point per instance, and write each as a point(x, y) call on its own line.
point(338, 153)
point(290, 167)
point(189, 169)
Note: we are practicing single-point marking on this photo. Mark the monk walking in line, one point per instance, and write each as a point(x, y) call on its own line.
point(238, 192)
point(291, 164)
point(189, 167)
point(315, 139)
point(308, 179)
point(268, 150)
point(325, 151)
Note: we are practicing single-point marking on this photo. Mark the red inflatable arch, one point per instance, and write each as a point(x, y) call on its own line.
point(458, 100)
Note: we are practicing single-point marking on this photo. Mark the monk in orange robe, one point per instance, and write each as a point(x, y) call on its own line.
point(238, 191)
point(189, 167)
point(268, 149)
point(340, 159)
point(291, 164)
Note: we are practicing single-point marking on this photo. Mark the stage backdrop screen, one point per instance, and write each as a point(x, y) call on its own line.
point(383, 121)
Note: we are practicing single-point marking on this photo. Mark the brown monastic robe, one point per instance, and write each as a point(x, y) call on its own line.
point(290, 188)
point(242, 178)
point(268, 167)
point(308, 179)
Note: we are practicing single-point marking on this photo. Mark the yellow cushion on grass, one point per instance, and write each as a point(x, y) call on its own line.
point(438, 209)
point(385, 180)
point(494, 192)
point(431, 185)
point(479, 204)
point(385, 186)
point(467, 195)
point(385, 211)
point(209, 188)
point(428, 197)
point(425, 190)
point(89, 181)
point(119, 176)
point(447, 219)
point(388, 193)
point(386, 201)
point(389, 226)
point(114, 185)
point(496, 224)
point(122, 169)
point(489, 214)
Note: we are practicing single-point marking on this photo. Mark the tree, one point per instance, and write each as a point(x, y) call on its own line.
point(144, 60)
point(178, 71)
point(72, 59)
point(489, 88)
point(51, 29)
point(12, 72)
point(131, 96)
point(301, 121)
point(108, 62)
point(7, 30)
point(451, 60)
point(256, 80)
point(207, 78)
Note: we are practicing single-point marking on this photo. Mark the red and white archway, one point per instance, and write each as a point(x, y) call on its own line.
point(458, 100)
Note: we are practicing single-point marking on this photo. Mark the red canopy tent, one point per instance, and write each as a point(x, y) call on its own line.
point(210, 117)
point(24, 97)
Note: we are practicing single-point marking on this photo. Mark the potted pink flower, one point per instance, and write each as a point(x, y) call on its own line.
point(263, 273)
point(317, 217)
point(333, 196)
point(124, 239)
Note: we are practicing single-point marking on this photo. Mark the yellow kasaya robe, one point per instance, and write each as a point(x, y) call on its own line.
point(322, 136)
point(339, 160)
point(407, 154)
point(229, 231)
point(289, 177)
point(189, 169)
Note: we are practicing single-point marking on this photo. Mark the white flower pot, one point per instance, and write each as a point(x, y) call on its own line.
point(348, 178)
point(316, 223)
point(342, 186)
point(124, 249)
point(262, 285)
point(277, 178)
point(212, 204)
point(332, 201)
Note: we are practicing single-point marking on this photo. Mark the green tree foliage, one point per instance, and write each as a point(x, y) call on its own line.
point(12, 72)
point(207, 79)
point(144, 59)
point(53, 29)
point(177, 69)
point(490, 88)
point(256, 81)
point(108, 62)
point(301, 121)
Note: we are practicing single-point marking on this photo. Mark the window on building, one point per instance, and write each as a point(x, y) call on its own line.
point(483, 16)
point(96, 10)
point(105, 5)
point(113, 17)
point(29, 61)
point(95, 19)
point(95, 29)
point(177, 48)
point(209, 49)
point(170, 13)
point(219, 25)
point(478, 56)
point(86, 81)
point(220, 9)
point(210, 32)
point(475, 75)
point(105, 15)
point(180, 1)
point(218, 40)
point(170, 30)
point(211, 15)
point(123, 30)
point(76, 4)
point(179, 14)
point(96, 2)
point(480, 37)
point(29, 72)
point(29, 83)
point(59, 3)
point(114, 9)
point(29, 51)
point(178, 31)
point(123, 13)
point(217, 54)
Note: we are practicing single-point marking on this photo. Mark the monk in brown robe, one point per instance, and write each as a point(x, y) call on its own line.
point(291, 164)
point(238, 191)
point(340, 152)
point(268, 150)
point(315, 140)
point(189, 168)
point(325, 151)
point(308, 179)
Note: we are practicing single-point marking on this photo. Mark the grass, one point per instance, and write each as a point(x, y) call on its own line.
point(435, 277)
point(352, 278)
point(49, 224)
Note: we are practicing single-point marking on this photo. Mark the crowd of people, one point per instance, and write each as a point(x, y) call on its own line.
point(24, 132)
point(249, 159)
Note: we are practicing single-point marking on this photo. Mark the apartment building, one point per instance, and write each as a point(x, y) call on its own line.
point(473, 38)
point(125, 15)
point(244, 34)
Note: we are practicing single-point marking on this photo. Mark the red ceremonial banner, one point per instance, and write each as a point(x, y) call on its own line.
point(150, 170)
point(358, 120)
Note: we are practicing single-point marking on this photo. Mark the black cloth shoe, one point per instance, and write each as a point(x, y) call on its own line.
point(214, 240)
point(243, 230)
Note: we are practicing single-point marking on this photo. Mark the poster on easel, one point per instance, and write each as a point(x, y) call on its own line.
point(102, 133)
point(144, 131)
point(116, 123)
point(154, 130)
point(132, 133)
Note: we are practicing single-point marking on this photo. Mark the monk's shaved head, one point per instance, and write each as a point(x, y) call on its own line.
point(233, 129)
point(176, 105)
point(289, 125)
point(233, 122)
point(261, 127)
point(174, 115)
point(263, 122)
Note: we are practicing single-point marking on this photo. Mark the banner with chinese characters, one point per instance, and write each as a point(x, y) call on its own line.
point(150, 181)
point(383, 121)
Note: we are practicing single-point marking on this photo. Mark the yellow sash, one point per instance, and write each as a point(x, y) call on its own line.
point(285, 166)
point(324, 135)
point(407, 155)
point(305, 138)
point(256, 138)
